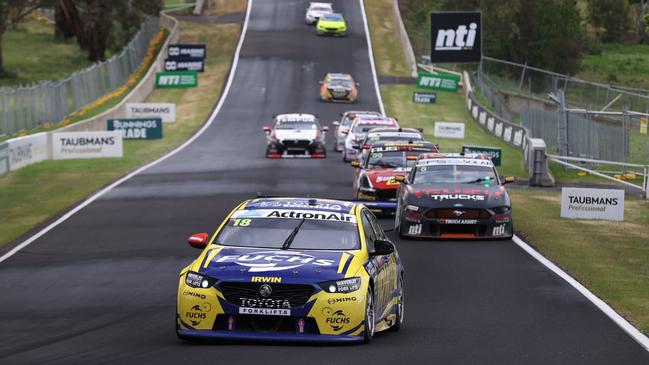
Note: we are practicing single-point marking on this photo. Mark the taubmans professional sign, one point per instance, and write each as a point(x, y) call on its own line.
point(137, 128)
point(4, 158)
point(195, 51)
point(28, 150)
point(585, 203)
point(424, 98)
point(449, 130)
point(176, 80)
point(442, 82)
point(165, 111)
point(456, 37)
point(184, 64)
point(72, 145)
point(494, 153)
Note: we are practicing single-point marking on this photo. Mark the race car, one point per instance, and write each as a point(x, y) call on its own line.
point(453, 196)
point(295, 135)
point(337, 87)
point(331, 24)
point(315, 11)
point(359, 129)
point(374, 178)
point(342, 126)
point(292, 269)
point(388, 134)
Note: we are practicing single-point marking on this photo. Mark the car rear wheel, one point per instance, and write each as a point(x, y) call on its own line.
point(368, 334)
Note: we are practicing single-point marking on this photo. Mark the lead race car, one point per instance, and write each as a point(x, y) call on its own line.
point(295, 135)
point(453, 196)
point(292, 269)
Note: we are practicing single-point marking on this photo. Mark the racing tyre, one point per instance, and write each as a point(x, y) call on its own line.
point(368, 334)
point(400, 307)
point(344, 156)
point(397, 224)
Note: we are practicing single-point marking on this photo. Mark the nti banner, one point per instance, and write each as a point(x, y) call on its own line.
point(137, 128)
point(444, 82)
point(494, 153)
point(176, 80)
point(456, 37)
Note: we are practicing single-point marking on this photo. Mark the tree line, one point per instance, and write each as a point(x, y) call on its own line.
point(550, 34)
point(99, 26)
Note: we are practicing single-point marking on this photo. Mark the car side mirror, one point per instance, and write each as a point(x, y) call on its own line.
point(358, 84)
point(344, 132)
point(401, 179)
point(320, 82)
point(508, 179)
point(336, 123)
point(355, 164)
point(198, 240)
point(383, 247)
point(325, 128)
point(266, 129)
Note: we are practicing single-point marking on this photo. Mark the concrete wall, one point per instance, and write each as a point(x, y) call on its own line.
point(515, 102)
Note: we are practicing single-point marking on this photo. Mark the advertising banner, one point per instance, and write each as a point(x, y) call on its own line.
point(583, 203)
point(494, 153)
point(184, 64)
point(424, 98)
point(137, 128)
point(176, 80)
point(165, 111)
point(456, 37)
point(72, 145)
point(449, 130)
point(4, 158)
point(27, 150)
point(195, 51)
point(442, 82)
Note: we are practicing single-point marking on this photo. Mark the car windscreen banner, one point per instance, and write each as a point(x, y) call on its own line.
point(456, 37)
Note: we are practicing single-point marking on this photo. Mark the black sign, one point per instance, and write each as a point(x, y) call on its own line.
point(456, 37)
point(184, 64)
point(424, 98)
point(195, 51)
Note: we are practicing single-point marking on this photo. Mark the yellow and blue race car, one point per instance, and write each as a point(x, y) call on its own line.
point(292, 269)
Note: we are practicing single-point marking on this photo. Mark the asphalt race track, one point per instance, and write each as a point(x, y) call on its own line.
point(101, 287)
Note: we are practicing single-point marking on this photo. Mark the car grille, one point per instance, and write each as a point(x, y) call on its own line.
point(388, 194)
point(451, 214)
point(296, 294)
point(339, 93)
point(332, 29)
point(300, 144)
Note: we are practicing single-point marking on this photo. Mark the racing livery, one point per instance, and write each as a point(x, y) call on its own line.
point(359, 129)
point(332, 24)
point(292, 269)
point(295, 135)
point(453, 196)
point(342, 126)
point(337, 87)
point(374, 179)
point(389, 134)
point(315, 11)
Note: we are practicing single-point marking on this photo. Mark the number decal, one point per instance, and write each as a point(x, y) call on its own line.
point(242, 222)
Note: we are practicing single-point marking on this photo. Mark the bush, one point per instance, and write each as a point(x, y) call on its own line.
point(610, 17)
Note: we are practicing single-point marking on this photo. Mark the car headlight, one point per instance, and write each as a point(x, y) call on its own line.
point(412, 208)
point(502, 210)
point(366, 185)
point(196, 280)
point(341, 286)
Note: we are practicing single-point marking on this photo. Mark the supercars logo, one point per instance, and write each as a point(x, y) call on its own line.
point(274, 260)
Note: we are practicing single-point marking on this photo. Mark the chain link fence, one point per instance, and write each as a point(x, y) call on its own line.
point(28, 107)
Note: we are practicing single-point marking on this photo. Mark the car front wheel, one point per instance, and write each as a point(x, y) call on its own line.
point(368, 334)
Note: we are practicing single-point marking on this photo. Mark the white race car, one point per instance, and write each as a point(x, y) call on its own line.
point(342, 126)
point(295, 135)
point(359, 129)
point(316, 10)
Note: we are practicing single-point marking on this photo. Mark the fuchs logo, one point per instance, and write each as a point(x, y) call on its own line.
point(336, 319)
point(274, 260)
point(462, 38)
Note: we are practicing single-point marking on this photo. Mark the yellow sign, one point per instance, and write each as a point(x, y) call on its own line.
point(643, 125)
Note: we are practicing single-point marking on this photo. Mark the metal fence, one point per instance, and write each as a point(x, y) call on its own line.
point(51, 101)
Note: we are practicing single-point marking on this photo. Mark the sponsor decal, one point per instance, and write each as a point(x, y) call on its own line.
point(333, 301)
point(265, 311)
point(198, 313)
point(455, 37)
point(138, 128)
point(266, 279)
point(295, 204)
point(261, 261)
point(265, 303)
point(458, 221)
point(592, 203)
point(499, 230)
point(424, 98)
point(189, 293)
point(335, 319)
point(455, 161)
point(384, 178)
point(295, 214)
point(68, 145)
point(414, 229)
point(442, 197)
point(442, 82)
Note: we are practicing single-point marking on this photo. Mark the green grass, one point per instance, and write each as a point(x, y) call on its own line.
point(67, 182)
point(31, 54)
point(388, 52)
point(609, 258)
point(623, 64)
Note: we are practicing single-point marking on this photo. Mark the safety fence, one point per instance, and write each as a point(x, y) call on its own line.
point(49, 102)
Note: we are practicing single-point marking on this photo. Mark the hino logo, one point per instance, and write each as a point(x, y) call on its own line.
point(456, 40)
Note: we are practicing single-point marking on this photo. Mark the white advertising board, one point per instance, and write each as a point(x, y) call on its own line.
point(449, 130)
point(73, 145)
point(583, 203)
point(4, 158)
point(27, 150)
point(165, 111)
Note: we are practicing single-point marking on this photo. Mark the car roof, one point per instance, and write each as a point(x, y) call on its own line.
point(311, 204)
point(295, 117)
point(339, 76)
point(327, 5)
point(375, 120)
point(361, 112)
point(405, 146)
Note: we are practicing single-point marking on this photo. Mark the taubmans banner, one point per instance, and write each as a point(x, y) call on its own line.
point(165, 111)
point(586, 203)
point(456, 37)
point(72, 145)
point(27, 150)
point(449, 130)
point(4, 158)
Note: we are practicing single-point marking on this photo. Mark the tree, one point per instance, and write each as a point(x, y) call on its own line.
point(11, 12)
point(610, 17)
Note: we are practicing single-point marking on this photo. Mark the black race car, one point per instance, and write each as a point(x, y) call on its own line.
point(453, 196)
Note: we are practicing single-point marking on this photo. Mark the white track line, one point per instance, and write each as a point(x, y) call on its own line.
point(371, 53)
point(209, 122)
point(614, 316)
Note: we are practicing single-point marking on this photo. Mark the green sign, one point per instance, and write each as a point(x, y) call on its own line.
point(424, 98)
point(175, 80)
point(444, 82)
point(493, 152)
point(140, 128)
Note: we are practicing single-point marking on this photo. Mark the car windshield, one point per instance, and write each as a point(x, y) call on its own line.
point(454, 174)
point(332, 17)
point(392, 159)
point(364, 128)
point(373, 138)
point(320, 8)
point(296, 125)
point(340, 82)
point(274, 232)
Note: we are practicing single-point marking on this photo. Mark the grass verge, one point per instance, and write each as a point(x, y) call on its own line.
point(389, 57)
point(24, 204)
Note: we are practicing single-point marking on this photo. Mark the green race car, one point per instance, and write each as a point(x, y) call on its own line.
point(332, 24)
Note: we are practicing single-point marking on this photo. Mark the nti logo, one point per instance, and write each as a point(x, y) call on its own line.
point(169, 80)
point(456, 39)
